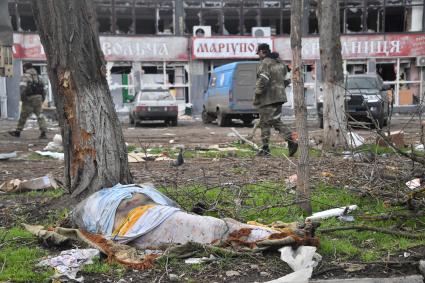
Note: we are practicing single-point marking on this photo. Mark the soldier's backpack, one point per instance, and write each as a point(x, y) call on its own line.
point(36, 87)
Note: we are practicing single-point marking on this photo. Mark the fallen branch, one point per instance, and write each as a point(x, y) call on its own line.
point(253, 145)
point(375, 229)
point(391, 216)
point(277, 242)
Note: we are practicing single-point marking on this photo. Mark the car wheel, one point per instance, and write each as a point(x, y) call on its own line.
point(206, 118)
point(247, 121)
point(131, 121)
point(174, 122)
point(221, 119)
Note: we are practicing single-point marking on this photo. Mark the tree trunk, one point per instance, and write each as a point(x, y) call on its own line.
point(334, 118)
point(95, 152)
point(303, 170)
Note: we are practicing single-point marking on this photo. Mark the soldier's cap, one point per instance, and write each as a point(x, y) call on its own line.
point(27, 65)
point(263, 47)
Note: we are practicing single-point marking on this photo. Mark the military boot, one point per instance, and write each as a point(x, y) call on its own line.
point(15, 133)
point(265, 151)
point(292, 147)
point(43, 135)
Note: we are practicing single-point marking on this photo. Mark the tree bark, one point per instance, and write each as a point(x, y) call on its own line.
point(334, 118)
point(95, 152)
point(303, 169)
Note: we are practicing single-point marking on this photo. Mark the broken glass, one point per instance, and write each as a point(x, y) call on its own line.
point(212, 17)
point(251, 3)
point(192, 3)
point(271, 4)
point(375, 19)
point(191, 19)
point(231, 22)
point(251, 19)
point(211, 4)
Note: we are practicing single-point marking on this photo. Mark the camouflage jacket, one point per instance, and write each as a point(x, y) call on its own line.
point(27, 78)
point(269, 88)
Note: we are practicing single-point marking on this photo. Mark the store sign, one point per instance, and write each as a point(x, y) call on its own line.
point(28, 46)
point(227, 47)
point(360, 46)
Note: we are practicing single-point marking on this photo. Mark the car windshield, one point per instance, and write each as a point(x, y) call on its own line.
point(155, 95)
point(362, 83)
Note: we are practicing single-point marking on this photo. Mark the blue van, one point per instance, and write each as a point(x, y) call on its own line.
point(230, 94)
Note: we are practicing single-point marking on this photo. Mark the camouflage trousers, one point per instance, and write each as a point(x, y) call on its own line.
point(270, 118)
point(31, 105)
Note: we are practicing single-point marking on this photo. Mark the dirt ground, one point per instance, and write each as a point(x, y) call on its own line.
point(192, 134)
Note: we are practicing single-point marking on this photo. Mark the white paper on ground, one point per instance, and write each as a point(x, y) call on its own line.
point(56, 155)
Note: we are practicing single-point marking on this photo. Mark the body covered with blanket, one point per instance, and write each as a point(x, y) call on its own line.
point(144, 217)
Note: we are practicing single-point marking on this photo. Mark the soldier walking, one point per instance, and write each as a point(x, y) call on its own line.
point(270, 96)
point(32, 93)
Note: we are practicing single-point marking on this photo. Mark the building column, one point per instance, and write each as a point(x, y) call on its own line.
point(178, 17)
point(198, 82)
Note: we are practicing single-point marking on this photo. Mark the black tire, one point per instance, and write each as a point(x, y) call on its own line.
point(247, 121)
point(221, 119)
point(131, 121)
point(206, 118)
point(174, 122)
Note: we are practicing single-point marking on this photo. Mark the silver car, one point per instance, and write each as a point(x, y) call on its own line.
point(155, 104)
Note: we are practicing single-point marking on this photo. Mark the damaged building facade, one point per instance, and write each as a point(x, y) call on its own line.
point(176, 43)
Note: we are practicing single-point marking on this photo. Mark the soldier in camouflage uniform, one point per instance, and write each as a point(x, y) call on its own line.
point(270, 96)
point(31, 102)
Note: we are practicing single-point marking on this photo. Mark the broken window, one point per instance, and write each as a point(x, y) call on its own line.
point(124, 19)
point(231, 21)
point(251, 19)
point(145, 20)
point(192, 3)
point(165, 21)
point(354, 16)
point(212, 17)
point(191, 19)
point(13, 15)
point(394, 19)
point(145, 3)
point(231, 3)
point(286, 22)
point(251, 3)
point(375, 19)
point(313, 25)
point(104, 16)
point(211, 4)
point(25, 17)
point(271, 18)
point(414, 15)
point(271, 4)
point(394, 2)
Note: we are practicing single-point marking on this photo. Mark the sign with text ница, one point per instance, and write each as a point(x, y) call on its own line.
point(227, 47)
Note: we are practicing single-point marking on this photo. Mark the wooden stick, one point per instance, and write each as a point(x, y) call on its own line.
point(245, 140)
point(277, 242)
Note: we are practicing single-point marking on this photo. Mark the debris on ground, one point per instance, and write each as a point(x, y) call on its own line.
point(55, 145)
point(332, 213)
point(354, 140)
point(68, 263)
point(198, 260)
point(395, 137)
point(8, 155)
point(56, 155)
point(302, 260)
point(42, 183)
point(136, 157)
point(414, 184)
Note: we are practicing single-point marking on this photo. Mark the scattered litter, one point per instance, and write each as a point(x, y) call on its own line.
point(253, 145)
point(168, 134)
point(419, 147)
point(352, 267)
point(56, 155)
point(396, 137)
point(346, 218)
point(49, 237)
point(198, 260)
point(264, 274)
point(422, 267)
point(6, 156)
point(327, 174)
point(173, 277)
point(171, 141)
point(354, 140)
point(332, 212)
point(291, 181)
point(136, 157)
point(42, 183)
point(212, 133)
point(406, 254)
point(231, 135)
point(302, 261)
point(232, 273)
point(55, 145)
point(414, 184)
point(69, 262)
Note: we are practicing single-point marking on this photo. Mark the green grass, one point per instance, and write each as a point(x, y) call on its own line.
point(19, 253)
point(268, 202)
point(37, 157)
point(101, 267)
